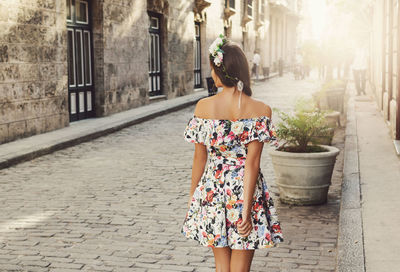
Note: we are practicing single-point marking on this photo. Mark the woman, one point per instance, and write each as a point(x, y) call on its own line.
point(230, 209)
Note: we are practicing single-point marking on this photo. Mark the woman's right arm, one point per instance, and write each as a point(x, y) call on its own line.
point(252, 168)
point(199, 163)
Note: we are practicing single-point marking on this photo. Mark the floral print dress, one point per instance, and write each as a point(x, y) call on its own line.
point(217, 202)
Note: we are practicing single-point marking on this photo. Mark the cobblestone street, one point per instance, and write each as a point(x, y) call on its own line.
point(117, 203)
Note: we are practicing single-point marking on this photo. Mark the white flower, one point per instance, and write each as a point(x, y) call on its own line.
point(217, 61)
point(212, 48)
point(215, 50)
point(237, 127)
point(233, 215)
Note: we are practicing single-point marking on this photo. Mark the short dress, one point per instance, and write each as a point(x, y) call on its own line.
point(217, 201)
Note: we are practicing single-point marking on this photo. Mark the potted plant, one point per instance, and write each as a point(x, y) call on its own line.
point(303, 168)
point(331, 95)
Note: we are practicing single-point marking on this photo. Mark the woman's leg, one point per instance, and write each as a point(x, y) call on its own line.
point(222, 257)
point(241, 260)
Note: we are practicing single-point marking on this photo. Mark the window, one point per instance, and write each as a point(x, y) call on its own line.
point(154, 55)
point(69, 10)
point(197, 57)
point(82, 12)
point(244, 41)
point(79, 57)
point(71, 58)
point(250, 8)
point(88, 58)
point(262, 9)
point(230, 4)
point(154, 22)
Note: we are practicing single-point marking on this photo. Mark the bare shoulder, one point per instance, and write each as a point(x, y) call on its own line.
point(201, 106)
point(261, 108)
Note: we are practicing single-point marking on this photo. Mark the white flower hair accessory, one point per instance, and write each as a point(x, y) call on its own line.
point(240, 85)
point(215, 50)
point(240, 89)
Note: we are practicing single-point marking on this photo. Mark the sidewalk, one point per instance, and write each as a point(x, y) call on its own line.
point(369, 217)
point(85, 130)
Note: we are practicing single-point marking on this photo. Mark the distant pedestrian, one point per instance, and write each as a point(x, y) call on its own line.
point(256, 64)
point(298, 69)
point(359, 70)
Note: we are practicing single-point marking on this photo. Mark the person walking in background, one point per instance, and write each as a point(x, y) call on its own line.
point(359, 70)
point(298, 69)
point(256, 63)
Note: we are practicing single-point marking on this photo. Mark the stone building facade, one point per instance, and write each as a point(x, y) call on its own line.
point(283, 21)
point(64, 61)
point(384, 61)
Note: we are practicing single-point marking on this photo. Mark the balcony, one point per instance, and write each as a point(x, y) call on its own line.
point(199, 6)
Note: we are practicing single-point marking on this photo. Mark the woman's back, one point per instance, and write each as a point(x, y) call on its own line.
point(223, 107)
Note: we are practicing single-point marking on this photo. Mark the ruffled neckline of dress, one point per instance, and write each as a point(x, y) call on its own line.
point(232, 121)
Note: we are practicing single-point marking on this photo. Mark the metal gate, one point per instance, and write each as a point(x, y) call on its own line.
point(80, 60)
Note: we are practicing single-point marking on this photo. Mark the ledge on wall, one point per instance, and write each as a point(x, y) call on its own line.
point(157, 97)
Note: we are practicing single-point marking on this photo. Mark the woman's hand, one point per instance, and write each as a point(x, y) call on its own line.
point(245, 225)
point(189, 202)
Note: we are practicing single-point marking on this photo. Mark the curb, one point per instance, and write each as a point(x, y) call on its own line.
point(32, 147)
point(350, 254)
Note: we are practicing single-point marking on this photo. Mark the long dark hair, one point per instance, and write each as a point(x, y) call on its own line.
point(236, 65)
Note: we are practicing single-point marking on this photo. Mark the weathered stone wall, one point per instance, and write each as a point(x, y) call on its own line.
point(125, 50)
point(98, 57)
point(33, 56)
point(180, 47)
point(380, 85)
point(33, 68)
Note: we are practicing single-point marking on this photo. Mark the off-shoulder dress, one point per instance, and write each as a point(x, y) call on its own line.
point(217, 201)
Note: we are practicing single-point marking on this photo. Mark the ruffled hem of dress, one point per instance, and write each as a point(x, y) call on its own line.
point(273, 243)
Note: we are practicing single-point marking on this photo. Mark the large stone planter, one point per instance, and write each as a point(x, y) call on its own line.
point(304, 178)
point(332, 99)
point(335, 99)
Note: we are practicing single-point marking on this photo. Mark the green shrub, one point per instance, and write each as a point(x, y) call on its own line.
point(302, 129)
point(333, 84)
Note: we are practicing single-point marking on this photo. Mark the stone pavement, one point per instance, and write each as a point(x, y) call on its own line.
point(117, 203)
